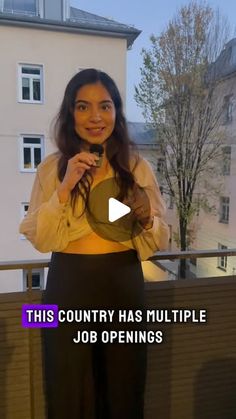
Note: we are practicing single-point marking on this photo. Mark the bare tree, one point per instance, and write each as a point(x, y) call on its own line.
point(178, 95)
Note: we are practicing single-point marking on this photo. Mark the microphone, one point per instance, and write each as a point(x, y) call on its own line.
point(99, 151)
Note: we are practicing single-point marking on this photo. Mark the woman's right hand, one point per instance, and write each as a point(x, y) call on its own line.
point(76, 167)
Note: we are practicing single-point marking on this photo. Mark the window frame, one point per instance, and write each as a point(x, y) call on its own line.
point(39, 271)
point(160, 167)
point(32, 147)
point(38, 3)
point(226, 162)
point(23, 213)
point(66, 10)
point(228, 109)
point(171, 202)
point(222, 260)
point(170, 236)
point(224, 205)
point(31, 77)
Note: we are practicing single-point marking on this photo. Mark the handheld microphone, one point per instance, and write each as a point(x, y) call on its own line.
point(99, 151)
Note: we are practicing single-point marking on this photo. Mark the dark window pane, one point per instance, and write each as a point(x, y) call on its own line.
point(28, 140)
point(226, 161)
point(35, 280)
point(26, 207)
point(37, 156)
point(25, 89)
point(29, 70)
point(27, 158)
point(222, 261)
point(36, 90)
point(20, 5)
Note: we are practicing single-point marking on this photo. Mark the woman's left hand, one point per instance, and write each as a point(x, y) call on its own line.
point(140, 205)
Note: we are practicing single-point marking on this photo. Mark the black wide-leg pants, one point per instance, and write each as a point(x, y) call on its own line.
point(94, 380)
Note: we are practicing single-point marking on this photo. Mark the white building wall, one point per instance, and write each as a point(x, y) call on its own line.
point(61, 55)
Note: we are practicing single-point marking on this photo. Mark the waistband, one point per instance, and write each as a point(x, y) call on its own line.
point(123, 255)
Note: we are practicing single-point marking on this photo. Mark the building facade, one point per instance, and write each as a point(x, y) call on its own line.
point(43, 45)
point(217, 229)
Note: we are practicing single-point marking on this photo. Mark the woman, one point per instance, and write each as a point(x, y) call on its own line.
point(90, 269)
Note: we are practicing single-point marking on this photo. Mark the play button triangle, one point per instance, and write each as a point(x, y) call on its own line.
point(116, 209)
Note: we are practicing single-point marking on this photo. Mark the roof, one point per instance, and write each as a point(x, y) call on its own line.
point(142, 134)
point(225, 63)
point(79, 21)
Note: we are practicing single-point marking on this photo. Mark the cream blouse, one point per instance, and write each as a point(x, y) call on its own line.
point(50, 225)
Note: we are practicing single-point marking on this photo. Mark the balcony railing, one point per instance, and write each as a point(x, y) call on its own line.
point(191, 374)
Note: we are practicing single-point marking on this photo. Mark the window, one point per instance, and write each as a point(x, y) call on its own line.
point(224, 209)
point(170, 237)
point(37, 279)
point(171, 201)
point(28, 7)
point(222, 260)
point(228, 109)
point(32, 152)
point(24, 209)
point(30, 83)
point(226, 161)
point(198, 203)
point(160, 165)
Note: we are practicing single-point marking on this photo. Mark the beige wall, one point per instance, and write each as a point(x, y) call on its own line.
point(62, 55)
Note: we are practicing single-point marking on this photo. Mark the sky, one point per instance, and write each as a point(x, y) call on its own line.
point(151, 17)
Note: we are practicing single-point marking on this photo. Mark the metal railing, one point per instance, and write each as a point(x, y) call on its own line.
point(30, 265)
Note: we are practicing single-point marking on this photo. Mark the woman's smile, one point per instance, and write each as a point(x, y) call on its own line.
point(95, 131)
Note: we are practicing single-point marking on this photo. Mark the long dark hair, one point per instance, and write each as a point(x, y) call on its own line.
point(119, 145)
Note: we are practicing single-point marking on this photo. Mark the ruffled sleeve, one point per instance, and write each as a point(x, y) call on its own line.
point(157, 237)
point(45, 224)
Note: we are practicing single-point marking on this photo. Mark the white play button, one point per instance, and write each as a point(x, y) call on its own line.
point(116, 209)
point(109, 218)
